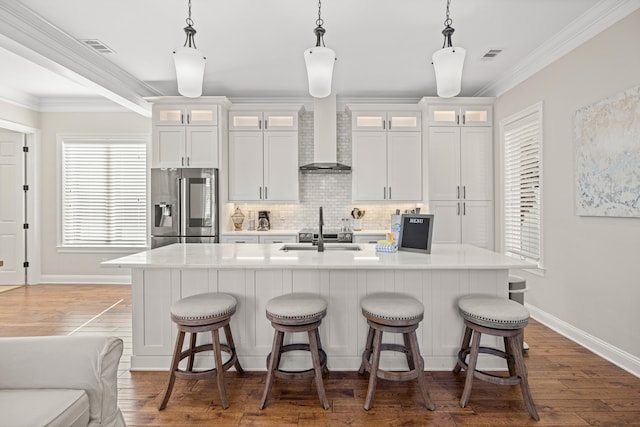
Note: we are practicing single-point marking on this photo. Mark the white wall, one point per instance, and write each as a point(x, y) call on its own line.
point(73, 267)
point(592, 277)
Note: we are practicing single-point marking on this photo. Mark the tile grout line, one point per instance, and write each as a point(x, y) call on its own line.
point(94, 317)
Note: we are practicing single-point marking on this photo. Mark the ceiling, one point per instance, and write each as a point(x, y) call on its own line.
point(254, 47)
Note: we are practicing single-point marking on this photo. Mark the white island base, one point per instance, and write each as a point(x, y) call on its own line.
point(255, 273)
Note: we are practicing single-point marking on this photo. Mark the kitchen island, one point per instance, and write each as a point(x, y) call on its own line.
point(255, 273)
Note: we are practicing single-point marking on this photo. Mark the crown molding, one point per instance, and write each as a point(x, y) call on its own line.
point(597, 19)
point(19, 98)
point(29, 35)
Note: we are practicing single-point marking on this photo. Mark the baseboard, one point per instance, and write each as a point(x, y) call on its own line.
point(98, 279)
point(618, 357)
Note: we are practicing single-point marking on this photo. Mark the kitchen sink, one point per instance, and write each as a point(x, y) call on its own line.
point(327, 247)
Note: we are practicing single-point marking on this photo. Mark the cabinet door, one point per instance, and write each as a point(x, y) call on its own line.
point(245, 120)
point(368, 238)
point(280, 120)
point(444, 115)
point(446, 221)
point(403, 121)
point(404, 166)
point(239, 239)
point(369, 178)
point(202, 146)
point(201, 115)
point(245, 166)
point(369, 121)
point(444, 163)
point(278, 238)
point(168, 147)
point(476, 163)
point(477, 115)
point(280, 166)
point(477, 223)
point(169, 115)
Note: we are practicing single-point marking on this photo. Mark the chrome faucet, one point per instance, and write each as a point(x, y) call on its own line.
point(320, 234)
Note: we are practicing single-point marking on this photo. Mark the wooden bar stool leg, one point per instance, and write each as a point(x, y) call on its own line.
point(174, 367)
point(192, 354)
point(273, 365)
point(466, 339)
point(217, 352)
point(373, 373)
point(325, 370)
point(510, 357)
point(232, 346)
point(367, 350)
point(516, 348)
point(409, 352)
point(473, 361)
point(315, 357)
point(414, 349)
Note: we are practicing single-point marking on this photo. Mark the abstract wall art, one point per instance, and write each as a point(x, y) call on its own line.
point(607, 156)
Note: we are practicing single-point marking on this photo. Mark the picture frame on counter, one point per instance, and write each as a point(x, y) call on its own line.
point(416, 232)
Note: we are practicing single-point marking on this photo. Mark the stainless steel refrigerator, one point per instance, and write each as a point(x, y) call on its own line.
point(184, 206)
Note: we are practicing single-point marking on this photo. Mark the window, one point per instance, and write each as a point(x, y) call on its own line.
point(521, 136)
point(104, 187)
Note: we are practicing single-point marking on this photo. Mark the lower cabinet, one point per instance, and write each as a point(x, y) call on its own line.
point(368, 238)
point(468, 222)
point(256, 238)
point(239, 239)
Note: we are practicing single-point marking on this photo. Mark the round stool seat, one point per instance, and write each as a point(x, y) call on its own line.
point(386, 307)
point(203, 307)
point(296, 307)
point(493, 312)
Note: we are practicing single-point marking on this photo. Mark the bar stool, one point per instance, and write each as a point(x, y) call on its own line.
point(206, 312)
point(296, 312)
point(499, 317)
point(400, 314)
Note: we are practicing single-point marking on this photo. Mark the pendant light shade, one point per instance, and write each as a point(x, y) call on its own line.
point(189, 71)
point(448, 63)
point(189, 63)
point(319, 61)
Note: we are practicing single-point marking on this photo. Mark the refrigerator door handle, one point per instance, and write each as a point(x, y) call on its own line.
point(182, 182)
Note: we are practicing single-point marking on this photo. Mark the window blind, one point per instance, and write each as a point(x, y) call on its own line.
point(522, 181)
point(104, 193)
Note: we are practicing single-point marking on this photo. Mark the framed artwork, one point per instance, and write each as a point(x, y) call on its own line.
point(607, 150)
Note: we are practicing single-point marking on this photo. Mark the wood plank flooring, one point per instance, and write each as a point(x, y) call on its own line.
point(570, 385)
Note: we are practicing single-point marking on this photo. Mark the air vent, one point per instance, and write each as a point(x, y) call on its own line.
point(97, 45)
point(491, 54)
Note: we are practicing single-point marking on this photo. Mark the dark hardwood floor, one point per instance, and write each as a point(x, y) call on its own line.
point(570, 385)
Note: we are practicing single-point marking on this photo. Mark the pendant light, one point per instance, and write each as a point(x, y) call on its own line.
point(448, 63)
point(319, 61)
point(189, 63)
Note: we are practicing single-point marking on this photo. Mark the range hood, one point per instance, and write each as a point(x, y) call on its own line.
point(325, 151)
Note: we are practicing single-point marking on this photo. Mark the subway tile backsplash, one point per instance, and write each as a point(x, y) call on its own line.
point(331, 191)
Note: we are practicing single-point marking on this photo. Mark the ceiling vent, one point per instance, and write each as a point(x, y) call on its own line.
point(491, 54)
point(97, 45)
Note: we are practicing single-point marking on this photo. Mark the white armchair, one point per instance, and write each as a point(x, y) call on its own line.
point(60, 381)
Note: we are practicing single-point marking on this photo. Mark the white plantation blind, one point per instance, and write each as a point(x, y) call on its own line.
point(104, 192)
point(522, 136)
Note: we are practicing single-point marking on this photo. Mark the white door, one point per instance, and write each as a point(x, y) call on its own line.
point(477, 223)
point(369, 166)
point(476, 163)
point(202, 146)
point(168, 149)
point(404, 166)
point(444, 163)
point(281, 166)
point(11, 208)
point(245, 166)
point(446, 221)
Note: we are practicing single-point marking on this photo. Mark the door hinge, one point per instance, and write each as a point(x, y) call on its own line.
point(25, 226)
point(25, 187)
point(25, 149)
point(25, 264)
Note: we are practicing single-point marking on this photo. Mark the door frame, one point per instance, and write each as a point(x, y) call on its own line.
point(32, 166)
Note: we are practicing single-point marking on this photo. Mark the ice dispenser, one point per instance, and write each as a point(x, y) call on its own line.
point(163, 215)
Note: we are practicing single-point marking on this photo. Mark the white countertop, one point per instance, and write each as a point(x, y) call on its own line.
point(269, 256)
point(292, 232)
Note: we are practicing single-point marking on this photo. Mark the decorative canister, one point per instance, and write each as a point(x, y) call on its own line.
point(238, 219)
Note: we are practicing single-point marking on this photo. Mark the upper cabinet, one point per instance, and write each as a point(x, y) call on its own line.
point(185, 135)
point(396, 121)
point(263, 120)
point(460, 115)
point(263, 154)
point(386, 154)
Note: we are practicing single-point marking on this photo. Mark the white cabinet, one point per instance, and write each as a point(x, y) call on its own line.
point(185, 136)
point(397, 121)
point(259, 238)
point(461, 184)
point(278, 238)
point(460, 115)
point(263, 120)
point(239, 239)
point(368, 238)
point(263, 166)
point(387, 166)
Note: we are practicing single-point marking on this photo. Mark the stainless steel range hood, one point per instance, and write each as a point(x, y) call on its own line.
point(325, 151)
